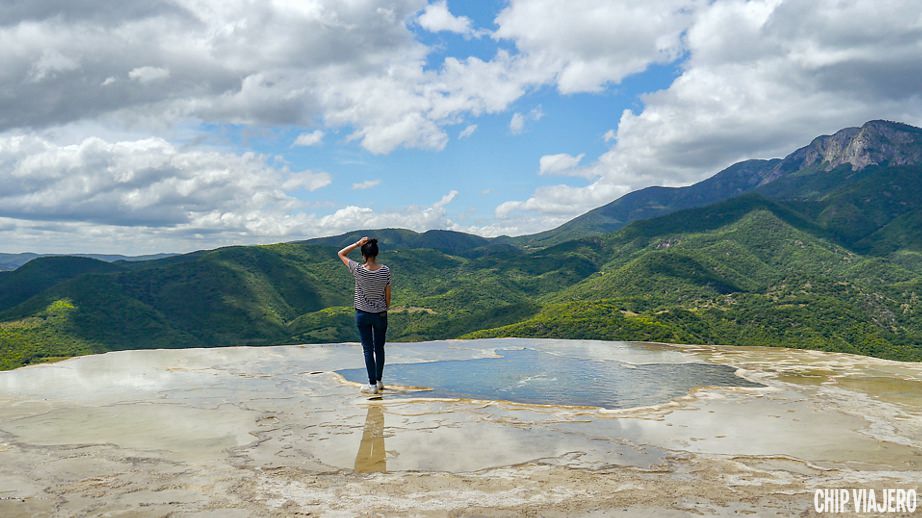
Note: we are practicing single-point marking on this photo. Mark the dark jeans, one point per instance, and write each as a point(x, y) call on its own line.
point(372, 328)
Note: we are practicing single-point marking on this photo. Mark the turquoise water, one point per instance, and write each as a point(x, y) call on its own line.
point(535, 377)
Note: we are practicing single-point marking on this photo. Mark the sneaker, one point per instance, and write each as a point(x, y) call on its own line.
point(370, 389)
point(380, 386)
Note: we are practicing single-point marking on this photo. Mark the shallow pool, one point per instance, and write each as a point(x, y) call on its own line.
point(545, 378)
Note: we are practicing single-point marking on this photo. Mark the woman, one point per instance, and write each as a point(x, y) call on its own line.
point(372, 298)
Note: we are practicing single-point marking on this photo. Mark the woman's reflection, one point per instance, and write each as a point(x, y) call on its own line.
point(371, 455)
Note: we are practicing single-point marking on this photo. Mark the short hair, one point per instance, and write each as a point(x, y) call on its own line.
point(370, 248)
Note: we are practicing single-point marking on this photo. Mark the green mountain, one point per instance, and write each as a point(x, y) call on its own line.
point(748, 271)
point(876, 143)
point(37, 276)
point(821, 250)
point(656, 201)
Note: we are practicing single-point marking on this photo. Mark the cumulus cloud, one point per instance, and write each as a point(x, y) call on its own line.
point(560, 164)
point(309, 139)
point(436, 17)
point(808, 68)
point(143, 182)
point(558, 201)
point(351, 65)
point(236, 62)
point(367, 184)
point(413, 217)
point(147, 195)
point(212, 230)
point(467, 131)
point(587, 44)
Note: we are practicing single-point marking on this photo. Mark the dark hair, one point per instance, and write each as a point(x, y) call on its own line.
point(370, 248)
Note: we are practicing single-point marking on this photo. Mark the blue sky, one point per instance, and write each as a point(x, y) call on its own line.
point(172, 128)
point(492, 165)
point(487, 168)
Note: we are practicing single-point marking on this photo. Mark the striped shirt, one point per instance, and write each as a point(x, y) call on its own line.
point(369, 287)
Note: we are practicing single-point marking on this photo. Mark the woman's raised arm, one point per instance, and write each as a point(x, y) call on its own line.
point(343, 254)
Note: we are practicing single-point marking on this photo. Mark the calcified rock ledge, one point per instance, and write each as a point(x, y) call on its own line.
point(273, 431)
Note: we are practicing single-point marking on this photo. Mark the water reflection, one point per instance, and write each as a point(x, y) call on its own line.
point(530, 376)
point(371, 456)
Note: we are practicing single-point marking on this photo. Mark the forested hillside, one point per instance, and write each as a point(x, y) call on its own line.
point(284, 293)
point(746, 272)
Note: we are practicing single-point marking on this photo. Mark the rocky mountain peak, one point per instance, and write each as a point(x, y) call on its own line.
point(876, 142)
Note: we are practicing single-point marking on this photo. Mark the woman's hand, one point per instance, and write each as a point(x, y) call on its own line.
point(345, 251)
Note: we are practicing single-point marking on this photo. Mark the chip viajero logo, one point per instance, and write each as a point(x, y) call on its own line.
point(864, 500)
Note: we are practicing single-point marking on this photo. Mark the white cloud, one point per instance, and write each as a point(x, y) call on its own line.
point(516, 123)
point(436, 17)
point(587, 44)
point(309, 139)
point(561, 201)
point(512, 227)
point(412, 217)
point(807, 68)
point(210, 230)
point(143, 182)
point(367, 184)
point(306, 180)
point(446, 199)
point(148, 74)
point(352, 65)
point(560, 164)
point(147, 195)
point(610, 136)
point(467, 131)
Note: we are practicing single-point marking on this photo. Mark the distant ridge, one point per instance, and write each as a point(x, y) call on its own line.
point(13, 261)
point(448, 241)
